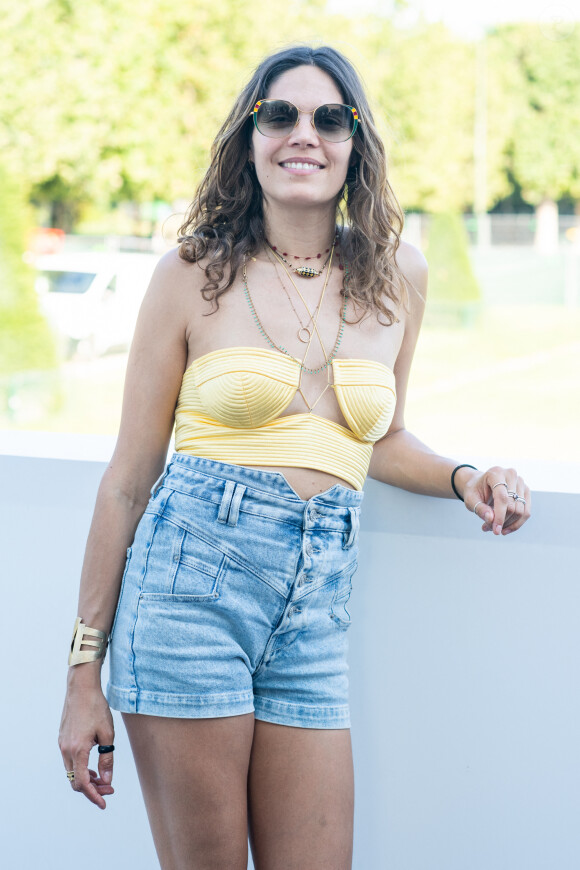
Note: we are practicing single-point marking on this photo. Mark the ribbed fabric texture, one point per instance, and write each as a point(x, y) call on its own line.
point(231, 399)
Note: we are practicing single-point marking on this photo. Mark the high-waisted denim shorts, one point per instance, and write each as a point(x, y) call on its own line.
point(234, 599)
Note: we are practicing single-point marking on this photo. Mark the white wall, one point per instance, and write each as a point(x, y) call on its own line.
point(464, 673)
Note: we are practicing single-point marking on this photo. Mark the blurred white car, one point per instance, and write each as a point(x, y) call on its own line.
point(91, 300)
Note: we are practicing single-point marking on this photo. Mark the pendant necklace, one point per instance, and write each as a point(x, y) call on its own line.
point(314, 319)
point(304, 271)
point(303, 333)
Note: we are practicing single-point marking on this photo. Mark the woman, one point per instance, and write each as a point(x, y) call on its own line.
point(280, 342)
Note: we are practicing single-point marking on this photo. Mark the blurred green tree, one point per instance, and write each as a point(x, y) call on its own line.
point(454, 292)
point(125, 96)
point(119, 100)
point(25, 339)
point(424, 83)
point(541, 81)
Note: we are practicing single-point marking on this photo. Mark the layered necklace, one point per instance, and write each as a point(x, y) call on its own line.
point(303, 271)
point(305, 335)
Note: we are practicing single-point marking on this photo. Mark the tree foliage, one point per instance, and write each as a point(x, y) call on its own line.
point(425, 88)
point(120, 99)
point(540, 109)
point(25, 339)
point(451, 277)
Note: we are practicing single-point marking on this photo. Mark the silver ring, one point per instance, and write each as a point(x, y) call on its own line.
point(513, 494)
point(477, 505)
point(501, 483)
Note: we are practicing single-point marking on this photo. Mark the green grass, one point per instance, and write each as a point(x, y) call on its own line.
point(510, 386)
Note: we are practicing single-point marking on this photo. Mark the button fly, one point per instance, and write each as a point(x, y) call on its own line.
point(309, 549)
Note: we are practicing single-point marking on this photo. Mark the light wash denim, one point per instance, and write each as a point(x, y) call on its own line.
point(234, 599)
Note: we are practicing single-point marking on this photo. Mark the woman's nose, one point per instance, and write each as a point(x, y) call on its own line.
point(304, 132)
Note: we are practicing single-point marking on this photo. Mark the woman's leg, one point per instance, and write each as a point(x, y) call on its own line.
point(301, 798)
point(193, 773)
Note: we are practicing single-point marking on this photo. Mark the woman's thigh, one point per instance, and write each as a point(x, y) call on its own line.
point(193, 774)
point(301, 798)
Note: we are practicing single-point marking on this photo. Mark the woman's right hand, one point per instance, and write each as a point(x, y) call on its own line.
point(86, 722)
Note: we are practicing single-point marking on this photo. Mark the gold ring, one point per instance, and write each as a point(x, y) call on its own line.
point(70, 775)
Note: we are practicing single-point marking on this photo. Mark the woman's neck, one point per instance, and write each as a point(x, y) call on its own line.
point(303, 233)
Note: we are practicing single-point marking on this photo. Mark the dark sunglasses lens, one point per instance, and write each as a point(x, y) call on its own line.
point(334, 122)
point(276, 118)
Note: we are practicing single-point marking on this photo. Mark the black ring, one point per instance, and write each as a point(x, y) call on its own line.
point(104, 749)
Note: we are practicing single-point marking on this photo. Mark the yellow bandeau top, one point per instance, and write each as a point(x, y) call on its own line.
point(231, 399)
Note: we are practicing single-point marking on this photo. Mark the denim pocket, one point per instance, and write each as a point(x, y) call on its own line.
point(128, 560)
point(180, 562)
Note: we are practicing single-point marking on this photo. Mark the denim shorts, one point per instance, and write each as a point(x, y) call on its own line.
point(234, 599)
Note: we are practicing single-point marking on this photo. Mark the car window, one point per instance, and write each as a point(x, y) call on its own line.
point(68, 282)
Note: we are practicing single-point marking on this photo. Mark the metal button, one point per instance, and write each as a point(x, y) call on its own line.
point(293, 610)
point(301, 579)
point(308, 549)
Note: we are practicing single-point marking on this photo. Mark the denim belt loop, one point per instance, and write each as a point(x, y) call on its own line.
point(230, 504)
point(354, 527)
point(235, 504)
point(157, 485)
point(226, 501)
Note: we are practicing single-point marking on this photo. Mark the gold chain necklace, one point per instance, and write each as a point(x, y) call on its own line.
point(314, 320)
point(303, 329)
point(280, 347)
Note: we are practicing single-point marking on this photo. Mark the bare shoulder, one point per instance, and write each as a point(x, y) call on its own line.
point(175, 276)
point(412, 263)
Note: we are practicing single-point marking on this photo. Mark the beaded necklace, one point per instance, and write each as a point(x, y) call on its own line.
point(304, 271)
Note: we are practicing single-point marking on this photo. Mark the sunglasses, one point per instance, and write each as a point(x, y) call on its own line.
point(332, 121)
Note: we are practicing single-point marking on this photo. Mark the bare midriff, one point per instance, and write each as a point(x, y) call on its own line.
point(306, 482)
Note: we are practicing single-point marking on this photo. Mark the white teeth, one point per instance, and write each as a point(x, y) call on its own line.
point(301, 166)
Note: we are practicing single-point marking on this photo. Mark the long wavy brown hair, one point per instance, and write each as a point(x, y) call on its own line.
point(225, 221)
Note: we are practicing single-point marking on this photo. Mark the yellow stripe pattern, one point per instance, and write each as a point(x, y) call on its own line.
point(231, 399)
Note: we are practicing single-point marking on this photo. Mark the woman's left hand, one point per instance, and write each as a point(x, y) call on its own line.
point(500, 497)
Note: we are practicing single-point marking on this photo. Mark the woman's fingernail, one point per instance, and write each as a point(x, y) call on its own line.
point(497, 528)
point(107, 776)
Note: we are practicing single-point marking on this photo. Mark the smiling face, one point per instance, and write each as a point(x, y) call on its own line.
point(302, 168)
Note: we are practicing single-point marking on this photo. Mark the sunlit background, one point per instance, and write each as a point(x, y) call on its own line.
point(107, 112)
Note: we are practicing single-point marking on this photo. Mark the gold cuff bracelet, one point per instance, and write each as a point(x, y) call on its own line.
point(85, 636)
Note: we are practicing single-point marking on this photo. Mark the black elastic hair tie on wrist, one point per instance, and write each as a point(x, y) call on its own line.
point(465, 465)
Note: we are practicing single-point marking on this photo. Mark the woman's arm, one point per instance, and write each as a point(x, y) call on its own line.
point(153, 378)
point(154, 373)
point(400, 459)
